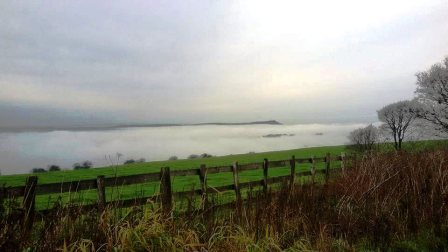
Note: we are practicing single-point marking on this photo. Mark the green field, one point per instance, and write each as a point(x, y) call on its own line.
point(183, 183)
point(179, 183)
point(149, 167)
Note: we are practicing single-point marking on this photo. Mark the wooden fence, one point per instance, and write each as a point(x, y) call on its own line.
point(32, 188)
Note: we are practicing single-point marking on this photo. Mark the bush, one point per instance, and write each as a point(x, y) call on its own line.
point(173, 158)
point(38, 170)
point(193, 156)
point(129, 161)
point(133, 161)
point(203, 155)
point(54, 168)
point(85, 165)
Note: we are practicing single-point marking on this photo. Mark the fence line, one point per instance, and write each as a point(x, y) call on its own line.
point(166, 194)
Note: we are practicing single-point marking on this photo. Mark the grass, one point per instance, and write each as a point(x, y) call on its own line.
point(384, 202)
point(149, 167)
point(180, 183)
point(184, 183)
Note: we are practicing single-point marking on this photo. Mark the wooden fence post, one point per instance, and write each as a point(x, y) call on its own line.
point(29, 202)
point(292, 163)
point(165, 190)
point(327, 166)
point(2, 198)
point(265, 176)
point(236, 183)
point(313, 169)
point(101, 189)
point(343, 161)
point(203, 180)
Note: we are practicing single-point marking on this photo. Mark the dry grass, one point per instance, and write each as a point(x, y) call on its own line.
point(394, 201)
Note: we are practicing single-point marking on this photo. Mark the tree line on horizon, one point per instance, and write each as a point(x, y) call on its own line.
point(424, 116)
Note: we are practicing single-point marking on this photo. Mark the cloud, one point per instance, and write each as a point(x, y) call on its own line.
point(189, 61)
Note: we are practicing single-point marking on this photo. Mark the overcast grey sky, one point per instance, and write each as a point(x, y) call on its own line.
point(90, 62)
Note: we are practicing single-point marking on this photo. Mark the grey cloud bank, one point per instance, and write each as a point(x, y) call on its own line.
point(92, 62)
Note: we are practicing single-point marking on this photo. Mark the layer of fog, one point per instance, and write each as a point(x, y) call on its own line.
point(19, 152)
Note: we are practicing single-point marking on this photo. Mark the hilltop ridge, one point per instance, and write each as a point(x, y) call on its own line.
point(113, 127)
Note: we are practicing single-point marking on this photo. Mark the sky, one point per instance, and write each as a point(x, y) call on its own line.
point(78, 63)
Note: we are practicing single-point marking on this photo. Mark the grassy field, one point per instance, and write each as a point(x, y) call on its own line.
point(149, 167)
point(179, 183)
point(385, 202)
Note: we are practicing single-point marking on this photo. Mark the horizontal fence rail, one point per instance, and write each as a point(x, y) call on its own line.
point(165, 196)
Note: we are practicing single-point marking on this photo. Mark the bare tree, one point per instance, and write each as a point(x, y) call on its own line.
point(364, 139)
point(432, 92)
point(397, 119)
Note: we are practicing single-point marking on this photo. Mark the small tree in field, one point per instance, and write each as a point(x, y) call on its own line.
point(206, 155)
point(129, 161)
point(54, 168)
point(85, 165)
point(397, 119)
point(364, 139)
point(38, 170)
point(432, 92)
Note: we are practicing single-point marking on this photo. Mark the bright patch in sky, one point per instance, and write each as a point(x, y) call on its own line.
point(67, 62)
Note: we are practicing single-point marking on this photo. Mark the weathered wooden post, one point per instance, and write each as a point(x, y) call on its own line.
point(165, 190)
point(313, 169)
point(343, 161)
point(2, 197)
point(203, 180)
point(265, 176)
point(101, 189)
point(292, 164)
point(327, 166)
point(236, 184)
point(29, 202)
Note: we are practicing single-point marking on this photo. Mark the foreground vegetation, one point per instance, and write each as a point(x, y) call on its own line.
point(154, 166)
point(388, 201)
point(181, 183)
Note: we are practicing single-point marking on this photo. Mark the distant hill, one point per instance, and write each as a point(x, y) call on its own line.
point(113, 127)
point(271, 122)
